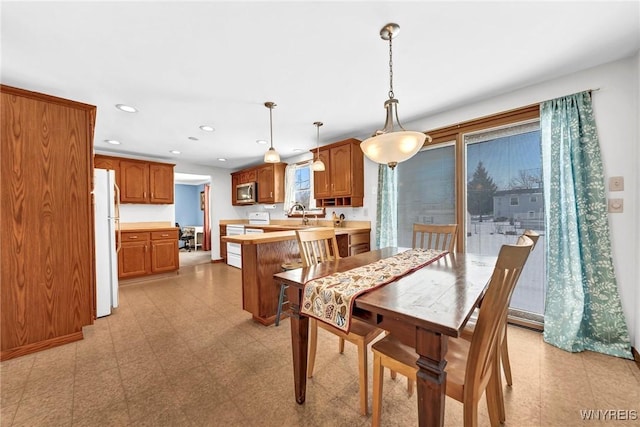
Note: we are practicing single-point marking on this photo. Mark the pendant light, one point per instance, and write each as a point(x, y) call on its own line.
point(318, 165)
point(271, 156)
point(392, 144)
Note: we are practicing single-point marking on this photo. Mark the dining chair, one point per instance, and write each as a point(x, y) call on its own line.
point(435, 236)
point(320, 245)
point(472, 366)
point(504, 348)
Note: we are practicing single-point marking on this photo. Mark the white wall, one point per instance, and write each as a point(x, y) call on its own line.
point(616, 111)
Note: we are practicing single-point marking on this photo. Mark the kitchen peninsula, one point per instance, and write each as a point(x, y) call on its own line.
point(263, 256)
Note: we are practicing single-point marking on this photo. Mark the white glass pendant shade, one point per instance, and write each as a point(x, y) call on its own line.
point(394, 147)
point(271, 156)
point(317, 166)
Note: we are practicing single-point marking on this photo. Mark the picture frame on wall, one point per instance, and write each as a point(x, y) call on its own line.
point(202, 200)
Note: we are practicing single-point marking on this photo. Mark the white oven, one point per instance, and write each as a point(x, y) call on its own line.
point(234, 250)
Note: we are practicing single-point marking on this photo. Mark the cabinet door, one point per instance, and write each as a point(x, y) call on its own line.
point(322, 180)
point(265, 184)
point(235, 180)
point(223, 245)
point(164, 255)
point(161, 183)
point(341, 170)
point(133, 259)
point(134, 182)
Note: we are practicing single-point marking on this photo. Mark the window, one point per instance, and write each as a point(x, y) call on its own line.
point(298, 186)
point(484, 175)
point(302, 185)
point(426, 190)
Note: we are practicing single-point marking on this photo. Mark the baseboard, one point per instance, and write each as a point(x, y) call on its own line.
point(39, 346)
point(215, 261)
point(636, 356)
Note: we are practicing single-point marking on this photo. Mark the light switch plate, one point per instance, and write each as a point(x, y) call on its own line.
point(616, 183)
point(616, 205)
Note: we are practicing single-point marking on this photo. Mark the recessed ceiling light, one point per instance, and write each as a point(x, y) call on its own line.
point(207, 128)
point(174, 152)
point(261, 141)
point(112, 141)
point(297, 150)
point(193, 138)
point(126, 108)
point(222, 160)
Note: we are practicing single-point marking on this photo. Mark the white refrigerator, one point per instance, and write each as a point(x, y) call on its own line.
point(107, 223)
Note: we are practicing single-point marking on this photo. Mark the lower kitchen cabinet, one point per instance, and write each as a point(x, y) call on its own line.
point(148, 252)
point(353, 243)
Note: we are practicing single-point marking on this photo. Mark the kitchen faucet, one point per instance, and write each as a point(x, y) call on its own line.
point(298, 206)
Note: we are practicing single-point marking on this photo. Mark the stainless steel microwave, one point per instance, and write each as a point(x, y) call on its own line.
point(246, 193)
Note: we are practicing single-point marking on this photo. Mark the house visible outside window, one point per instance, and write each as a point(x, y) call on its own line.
point(532, 214)
point(514, 201)
point(533, 199)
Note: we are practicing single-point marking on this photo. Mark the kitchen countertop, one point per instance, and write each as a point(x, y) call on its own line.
point(280, 236)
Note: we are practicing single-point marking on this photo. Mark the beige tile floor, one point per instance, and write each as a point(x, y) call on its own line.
point(180, 351)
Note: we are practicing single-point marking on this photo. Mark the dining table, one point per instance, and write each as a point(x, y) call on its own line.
point(422, 308)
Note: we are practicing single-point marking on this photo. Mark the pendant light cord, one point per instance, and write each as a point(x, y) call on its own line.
point(391, 94)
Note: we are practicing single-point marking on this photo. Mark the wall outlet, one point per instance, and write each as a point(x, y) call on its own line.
point(616, 205)
point(616, 183)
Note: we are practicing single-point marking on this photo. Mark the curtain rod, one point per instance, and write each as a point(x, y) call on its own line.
point(562, 96)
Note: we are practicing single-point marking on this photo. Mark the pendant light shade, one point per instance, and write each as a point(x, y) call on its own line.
point(317, 165)
point(271, 156)
point(392, 144)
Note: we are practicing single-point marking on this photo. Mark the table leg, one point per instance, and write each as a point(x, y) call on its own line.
point(299, 343)
point(431, 377)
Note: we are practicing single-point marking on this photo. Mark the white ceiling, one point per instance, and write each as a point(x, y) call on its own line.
point(183, 64)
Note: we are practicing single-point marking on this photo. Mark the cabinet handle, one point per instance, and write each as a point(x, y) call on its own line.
point(152, 194)
point(271, 194)
point(133, 237)
point(165, 235)
point(144, 194)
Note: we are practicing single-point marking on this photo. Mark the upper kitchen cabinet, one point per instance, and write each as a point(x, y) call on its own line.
point(342, 182)
point(269, 179)
point(271, 183)
point(47, 279)
point(146, 182)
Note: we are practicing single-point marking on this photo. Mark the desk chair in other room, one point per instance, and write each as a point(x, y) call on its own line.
point(320, 245)
point(473, 368)
point(185, 236)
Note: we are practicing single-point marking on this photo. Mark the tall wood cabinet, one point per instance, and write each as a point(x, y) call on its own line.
point(342, 182)
point(47, 283)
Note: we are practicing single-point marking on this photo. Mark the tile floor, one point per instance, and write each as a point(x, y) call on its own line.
point(180, 351)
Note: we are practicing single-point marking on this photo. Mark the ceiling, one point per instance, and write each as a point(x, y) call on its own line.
point(186, 64)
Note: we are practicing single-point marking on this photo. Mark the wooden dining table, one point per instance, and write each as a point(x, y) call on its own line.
point(422, 309)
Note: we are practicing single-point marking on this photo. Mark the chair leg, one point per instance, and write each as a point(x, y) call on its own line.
point(378, 373)
point(504, 355)
point(283, 287)
point(341, 345)
point(493, 399)
point(410, 387)
point(362, 373)
point(313, 344)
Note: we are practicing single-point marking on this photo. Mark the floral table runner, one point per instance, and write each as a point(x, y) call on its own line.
point(330, 298)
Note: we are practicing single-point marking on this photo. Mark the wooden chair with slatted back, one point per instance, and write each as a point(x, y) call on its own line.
point(435, 236)
point(472, 367)
point(320, 245)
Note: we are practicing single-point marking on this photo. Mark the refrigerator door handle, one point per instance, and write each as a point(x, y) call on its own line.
point(117, 218)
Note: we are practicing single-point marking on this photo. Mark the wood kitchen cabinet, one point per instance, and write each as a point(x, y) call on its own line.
point(342, 181)
point(269, 179)
point(145, 252)
point(271, 183)
point(47, 274)
point(223, 245)
point(353, 243)
point(146, 182)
